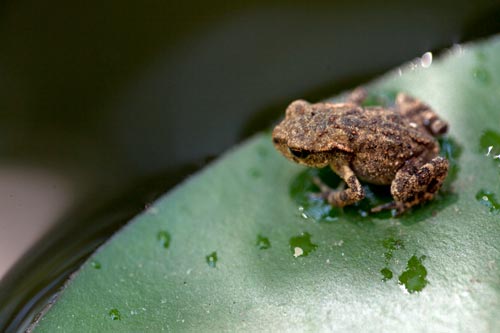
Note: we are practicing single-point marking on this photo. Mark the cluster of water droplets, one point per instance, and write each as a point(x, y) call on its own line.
point(490, 141)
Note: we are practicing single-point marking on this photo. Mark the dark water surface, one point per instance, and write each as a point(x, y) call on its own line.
point(118, 101)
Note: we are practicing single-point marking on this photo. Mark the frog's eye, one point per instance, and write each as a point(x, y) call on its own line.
point(299, 153)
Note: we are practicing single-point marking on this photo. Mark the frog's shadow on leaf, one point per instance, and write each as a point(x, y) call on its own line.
point(304, 192)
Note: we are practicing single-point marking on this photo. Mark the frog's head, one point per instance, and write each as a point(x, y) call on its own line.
point(294, 137)
point(312, 134)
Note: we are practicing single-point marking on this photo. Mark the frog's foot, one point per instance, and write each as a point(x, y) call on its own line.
point(420, 114)
point(398, 207)
point(342, 197)
point(415, 184)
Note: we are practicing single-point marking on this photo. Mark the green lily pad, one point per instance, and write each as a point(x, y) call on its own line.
point(200, 259)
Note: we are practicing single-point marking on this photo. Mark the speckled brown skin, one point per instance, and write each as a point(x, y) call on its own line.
point(377, 145)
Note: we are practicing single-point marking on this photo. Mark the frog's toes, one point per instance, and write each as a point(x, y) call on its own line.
point(340, 197)
point(386, 206)
point(322, 186)
point(398, 207)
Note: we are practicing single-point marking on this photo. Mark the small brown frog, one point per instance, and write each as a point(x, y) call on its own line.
point(385, 146)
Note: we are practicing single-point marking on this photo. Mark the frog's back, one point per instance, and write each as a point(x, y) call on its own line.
point(380, 140)
point(390, 132)
point(371, 129)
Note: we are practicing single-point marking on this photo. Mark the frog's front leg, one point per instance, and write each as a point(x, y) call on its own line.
point(340, 198)
point(416, 182)
point(420, 114)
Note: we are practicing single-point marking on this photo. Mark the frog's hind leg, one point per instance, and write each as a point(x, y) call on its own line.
point(415, 183)
point(340, 198)
point(420, 114)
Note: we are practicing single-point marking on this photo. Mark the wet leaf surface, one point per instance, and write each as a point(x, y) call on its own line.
point(432, 269)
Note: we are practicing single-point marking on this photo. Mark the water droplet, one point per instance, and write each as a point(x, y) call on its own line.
point(95, 264)
point(301, 245)
point(386, 274)
point(452, 151)
point(457, 49)
point(481, 75)
point(363, 213)
point(391, 244)
point(263, 243)
point(488, 199)
point(339, 243)
point(489, 142)
point(414, 277)
point(114, 314)
point(302, 190)
point(164, 237)
point(297, 251)
point(489, 150)
point(426, 60)
point(212, 259)
point(150, 209)
point(255, 173)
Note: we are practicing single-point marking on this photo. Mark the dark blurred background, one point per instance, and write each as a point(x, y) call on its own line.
point(104, 105)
